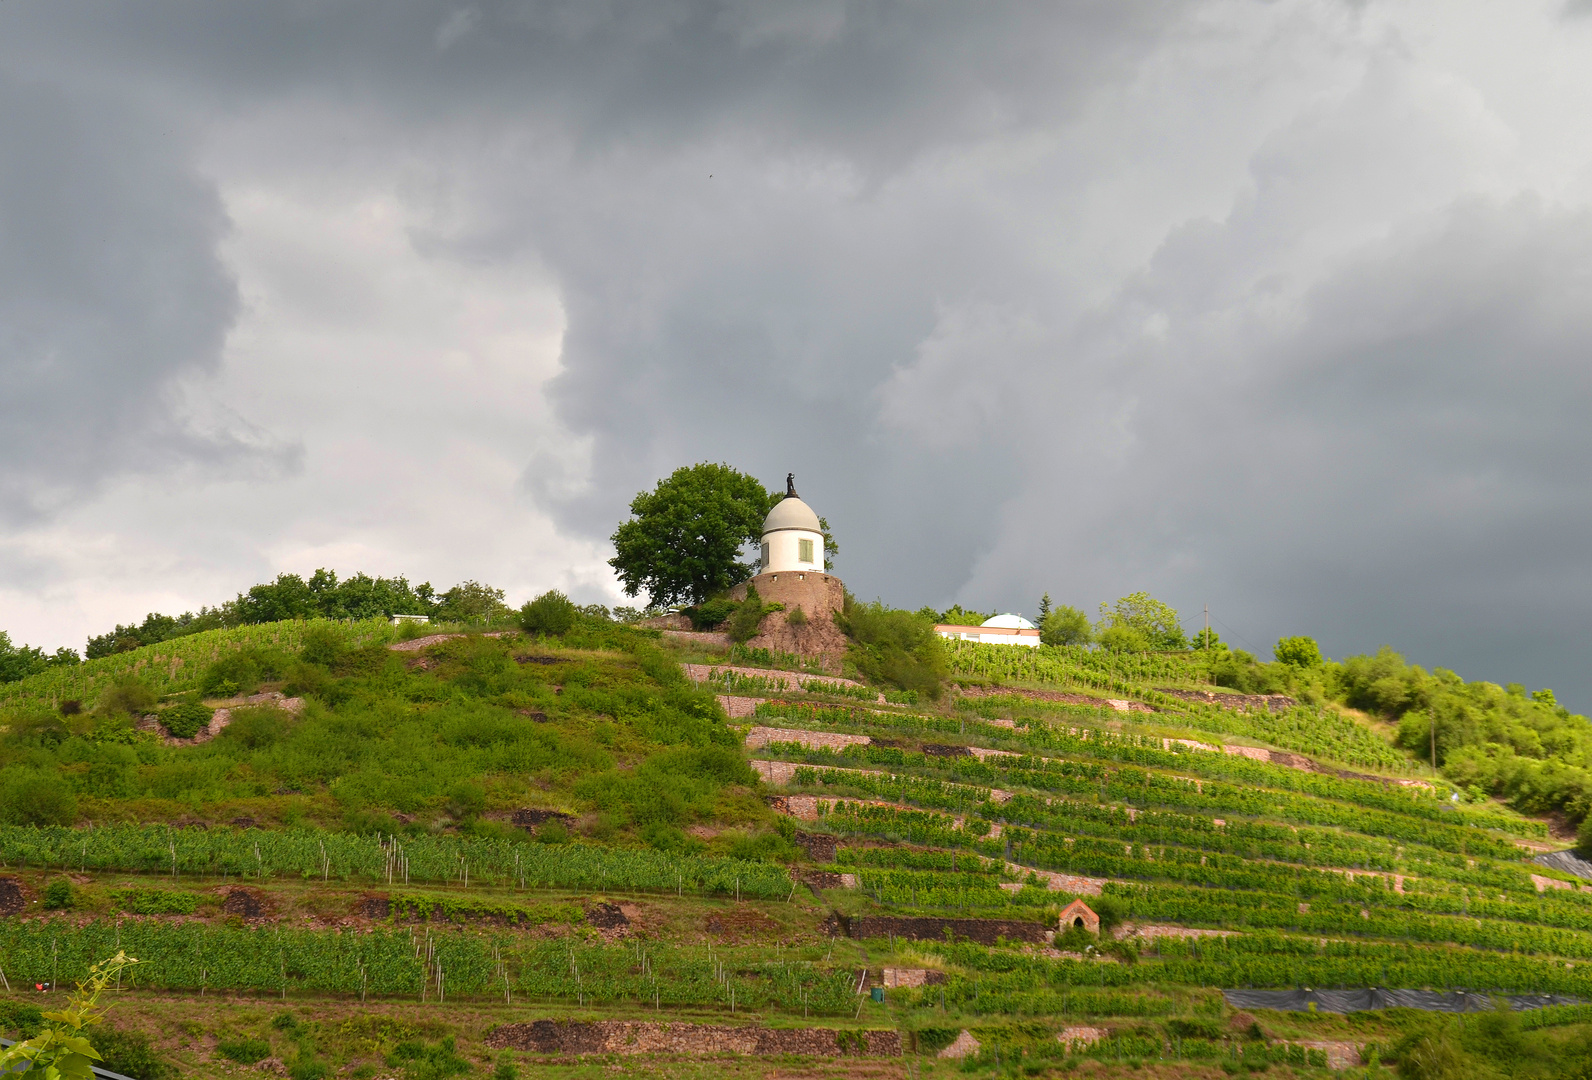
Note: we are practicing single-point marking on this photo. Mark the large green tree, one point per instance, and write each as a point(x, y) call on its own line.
point(1157, 622)
point(684, 538)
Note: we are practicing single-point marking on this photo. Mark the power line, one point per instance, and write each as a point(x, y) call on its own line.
point(1234, 633)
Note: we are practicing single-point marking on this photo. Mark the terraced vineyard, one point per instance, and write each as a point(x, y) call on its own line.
point(537, 847)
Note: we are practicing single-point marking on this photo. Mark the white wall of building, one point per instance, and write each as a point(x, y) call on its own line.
point(989, 635)
point(784, 549)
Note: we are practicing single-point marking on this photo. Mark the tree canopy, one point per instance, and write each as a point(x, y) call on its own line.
point(1064, 625)
point(1157, 622)
point(1299, 651)
point(683, 541)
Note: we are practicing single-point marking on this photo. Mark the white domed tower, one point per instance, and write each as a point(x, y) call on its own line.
point(791, 570)
point(793, 541)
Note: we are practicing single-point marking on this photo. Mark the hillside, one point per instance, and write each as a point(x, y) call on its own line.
point(507, 855)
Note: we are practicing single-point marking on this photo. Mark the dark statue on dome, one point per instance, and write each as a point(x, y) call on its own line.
point(790, 485)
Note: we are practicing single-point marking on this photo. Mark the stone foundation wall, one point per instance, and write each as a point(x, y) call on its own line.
point(816, 593)
point(648, 1037)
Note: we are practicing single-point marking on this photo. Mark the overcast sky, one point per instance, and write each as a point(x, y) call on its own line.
point(1284, 307)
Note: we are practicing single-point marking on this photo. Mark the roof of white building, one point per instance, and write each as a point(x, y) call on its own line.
point(1009, 622)
point(791, 513)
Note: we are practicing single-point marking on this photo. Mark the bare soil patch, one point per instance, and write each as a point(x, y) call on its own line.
point(606, 917)
point(734, 924)
point(245, 902)
point(13, 901)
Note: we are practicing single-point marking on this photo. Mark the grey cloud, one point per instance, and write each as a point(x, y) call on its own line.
point(1345, 401)
point(111, 291)
point(874, 82)
point(1399, 460)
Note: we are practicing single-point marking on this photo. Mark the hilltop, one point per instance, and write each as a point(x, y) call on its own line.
point(340, 852)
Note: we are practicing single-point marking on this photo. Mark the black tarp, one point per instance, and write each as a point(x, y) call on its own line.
point(1566, 861)
point(1347, 1001)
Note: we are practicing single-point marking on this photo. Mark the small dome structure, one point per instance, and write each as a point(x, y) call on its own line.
point(1009, 622)
point(793, 540)
point(790, 513)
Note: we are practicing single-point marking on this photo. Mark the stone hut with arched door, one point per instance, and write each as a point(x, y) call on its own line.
point(1078, 913)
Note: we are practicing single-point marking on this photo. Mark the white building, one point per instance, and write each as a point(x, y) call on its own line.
point(1005, 629)
point(792, 539)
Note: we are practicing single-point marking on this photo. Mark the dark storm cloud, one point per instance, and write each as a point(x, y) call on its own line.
point(876, 81)
point(1398, 460)
point(740, 312)
point(110, 291)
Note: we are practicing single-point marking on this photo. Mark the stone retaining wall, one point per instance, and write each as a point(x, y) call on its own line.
point(649, 1037)
point(760, 737)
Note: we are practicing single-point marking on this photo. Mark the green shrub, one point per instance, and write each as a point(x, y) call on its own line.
point(245, 1051)
point(1111, 911)
point(466, 800)
point(155, 901)
point(1201, 1027)
point(1238, 670)
point(129, 1053)
point(410, 629)
point(58, 895)
point(308, 1068)
point(709, 615)
point(1065, 626)
point(256, 728)
point(284, 1021)
point(20, 1018)
point(35, 798)
point(323, 645)
point(186, 720)
point(897, 647)
point(306, 678)
point(1075, 939)
point(743, 625)
point(551, 614)
point(797, 617)
point(130, 696)
point(1123, 639)
point(235, 673)
point(422, 1062)
point(934, 1039)
point(506, 1069)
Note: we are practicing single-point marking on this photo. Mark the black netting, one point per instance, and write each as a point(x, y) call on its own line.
point(1347, 1001)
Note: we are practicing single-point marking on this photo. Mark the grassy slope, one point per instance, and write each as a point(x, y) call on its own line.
point(438, 747)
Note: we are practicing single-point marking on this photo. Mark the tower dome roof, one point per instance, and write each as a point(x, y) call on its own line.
point(1009, 622)
point(791, 513)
